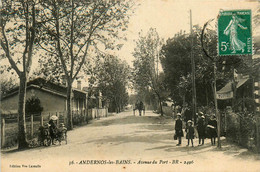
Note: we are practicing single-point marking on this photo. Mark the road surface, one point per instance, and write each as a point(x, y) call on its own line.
point(124, 142)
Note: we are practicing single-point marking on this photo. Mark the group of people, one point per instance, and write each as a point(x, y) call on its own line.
point(50, 129)
point(139, 105)
point(204, 130)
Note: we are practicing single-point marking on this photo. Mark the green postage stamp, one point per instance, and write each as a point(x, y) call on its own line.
point(234, 32)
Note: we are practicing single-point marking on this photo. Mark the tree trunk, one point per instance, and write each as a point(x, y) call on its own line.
point(160, 103)
point(69, 108)
point(22, 141)
point(207, 98)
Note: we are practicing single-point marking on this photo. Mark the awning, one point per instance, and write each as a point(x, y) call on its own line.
point(226, 92)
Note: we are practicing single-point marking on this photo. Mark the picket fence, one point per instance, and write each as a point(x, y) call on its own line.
point(9, 123)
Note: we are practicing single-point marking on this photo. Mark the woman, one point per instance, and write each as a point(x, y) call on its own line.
point(201, 129)
point(53, 130)
point(231, 31)
point(178, 129)
point(212, 128)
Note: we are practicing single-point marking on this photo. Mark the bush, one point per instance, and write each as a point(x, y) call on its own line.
point(33, 106)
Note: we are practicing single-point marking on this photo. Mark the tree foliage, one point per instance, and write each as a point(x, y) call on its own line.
point(145, 74)
point(71, 29)
point(18, 26)
point(111, 76)
point(176, 64)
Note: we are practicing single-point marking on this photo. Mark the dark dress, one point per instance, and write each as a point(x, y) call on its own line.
point(212, 131)
point(190, 132)
point(201, 128)
point(53, 129)
point(178, 128)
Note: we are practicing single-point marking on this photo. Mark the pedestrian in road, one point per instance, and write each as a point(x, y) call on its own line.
point(141, 107)
point(201, 129)
point(212, 129)
point(178, 129)
point(190, 133)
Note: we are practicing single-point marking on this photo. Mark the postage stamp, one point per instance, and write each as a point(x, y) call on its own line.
point(234, 32)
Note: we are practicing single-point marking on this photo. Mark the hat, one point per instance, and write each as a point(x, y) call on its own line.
point(203, 117)
point(178, 114)
point(201, 113)
point(189, 121)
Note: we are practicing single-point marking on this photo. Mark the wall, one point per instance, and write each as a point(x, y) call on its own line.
point(49, 102)
point(10, 103)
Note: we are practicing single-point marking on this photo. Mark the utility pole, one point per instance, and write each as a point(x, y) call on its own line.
point(194, 104)
point(216, 103)
point(214, 59)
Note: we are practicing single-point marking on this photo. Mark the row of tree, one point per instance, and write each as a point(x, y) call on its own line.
point(111, 76)
point(175, 82)
point(65, 30)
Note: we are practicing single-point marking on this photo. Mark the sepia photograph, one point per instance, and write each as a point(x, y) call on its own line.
point(130, 85)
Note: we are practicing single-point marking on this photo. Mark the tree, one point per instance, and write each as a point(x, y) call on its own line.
point(6, 85)
point(33, 106)
point(74, 27)
point(111, 75)
point(176, 63)
point(145, 73)
point(18, 31)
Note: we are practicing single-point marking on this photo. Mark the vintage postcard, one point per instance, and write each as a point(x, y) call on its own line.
point(130, 85)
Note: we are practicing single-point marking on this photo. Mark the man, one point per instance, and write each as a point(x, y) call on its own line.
point(141, 107)
point(178, 129)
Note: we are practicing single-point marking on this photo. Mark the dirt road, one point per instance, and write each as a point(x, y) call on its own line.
point(130, 143)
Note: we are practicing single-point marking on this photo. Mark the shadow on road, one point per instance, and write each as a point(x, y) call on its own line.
point(131, 120)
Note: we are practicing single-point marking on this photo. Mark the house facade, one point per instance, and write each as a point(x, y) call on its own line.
point(51, 95)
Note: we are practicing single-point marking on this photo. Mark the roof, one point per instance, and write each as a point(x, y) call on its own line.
point(47, 86)
point(228, 87)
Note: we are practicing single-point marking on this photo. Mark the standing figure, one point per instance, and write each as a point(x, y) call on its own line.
point(212, 128)
point(190, 133)
point(201, 129)
point(141, 107)
point(53, 130)
point(231, 31)
point(178, 129)
point(136, 106)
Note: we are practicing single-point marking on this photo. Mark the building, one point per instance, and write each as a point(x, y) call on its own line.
point(51, 95)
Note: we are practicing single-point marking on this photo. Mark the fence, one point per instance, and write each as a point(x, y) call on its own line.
point(9, 127)
point(97, 113)
point(243, 129)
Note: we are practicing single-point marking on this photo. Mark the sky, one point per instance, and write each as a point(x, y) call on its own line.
point(171, 16)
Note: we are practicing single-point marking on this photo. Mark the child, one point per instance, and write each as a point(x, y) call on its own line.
point(62, 133)
point(212, 128)
point(190, 133)
point(178, 129)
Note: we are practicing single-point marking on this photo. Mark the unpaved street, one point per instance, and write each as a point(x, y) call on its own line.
point(124, 142)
